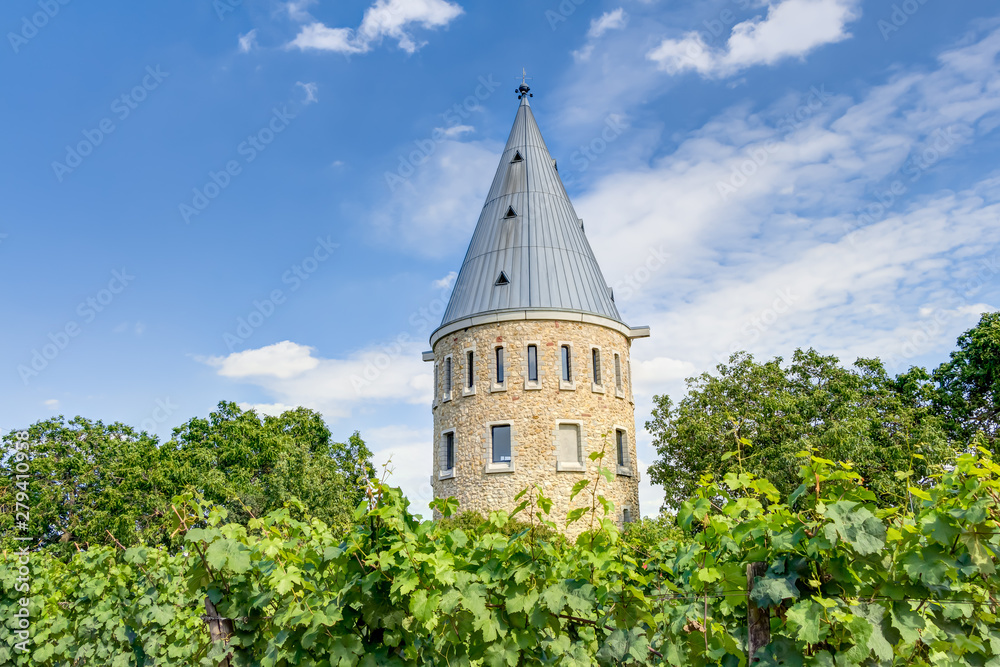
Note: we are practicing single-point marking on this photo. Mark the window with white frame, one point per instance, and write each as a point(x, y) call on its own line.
point(499, 365)
point(595, 358)
point(569, 447)
point(618, 374)
point(470, 369)
point(448, 450)
point(621, 452)
point(447, 378)
point(532, 363)
point(500, 435)
point(566, 355)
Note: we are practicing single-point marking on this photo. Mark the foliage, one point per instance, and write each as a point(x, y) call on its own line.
point(968, 384)
point(92, 483)
point(847, 582)
point(772, 413)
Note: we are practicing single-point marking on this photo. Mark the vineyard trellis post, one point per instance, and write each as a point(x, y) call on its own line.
point(758, 620)
point(221, 629)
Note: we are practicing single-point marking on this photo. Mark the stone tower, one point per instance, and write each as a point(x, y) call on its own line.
point(531, 361)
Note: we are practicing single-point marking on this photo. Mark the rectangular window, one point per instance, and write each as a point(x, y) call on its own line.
point(435, 381)
point(596, 354)
point(533, 363)
point(618, 372)
point(470, 372)
point(567, 374)
point(569, 443)
point(622, 442)
point(627, 515)
point(501, 444)
point(499, 365)
point(449, 450)
point(447, 377)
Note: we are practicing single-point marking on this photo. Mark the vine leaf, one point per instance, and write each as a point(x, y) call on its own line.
point(855, 525)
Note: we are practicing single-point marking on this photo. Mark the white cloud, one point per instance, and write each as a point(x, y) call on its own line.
point(406, 452)
point(298, 10)
point(248, 42)
point(615, 20)
point(310, 90)
point(385, 18)
point(281, 360)
point(293, 375)
point(52, 404)
point(446, 282)
point(791, 29)
point(436, 193)
point(454, 131)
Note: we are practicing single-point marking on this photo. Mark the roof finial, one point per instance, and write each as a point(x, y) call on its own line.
point(523, 89)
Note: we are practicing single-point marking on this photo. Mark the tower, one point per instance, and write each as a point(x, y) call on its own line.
point(531, 361)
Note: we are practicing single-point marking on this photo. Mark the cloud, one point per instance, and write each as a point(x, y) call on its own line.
point(385, 18)
point(613, 20)
point(292, 374)
point(446, 282)
point(248, 42)
point(436, 193)
point(52, 404)
point(310, 91)
point(406, 453)
point(298, 10)
point(791, 29)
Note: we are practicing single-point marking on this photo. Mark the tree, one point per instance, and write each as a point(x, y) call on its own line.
point(769, 413)
point(90, 483)
point(85, 480)
point(968, 385)
point(253, 465)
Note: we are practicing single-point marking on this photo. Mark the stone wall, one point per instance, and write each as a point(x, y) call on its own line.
point(534, 412)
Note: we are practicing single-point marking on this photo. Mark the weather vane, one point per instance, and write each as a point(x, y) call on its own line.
point(523, 89)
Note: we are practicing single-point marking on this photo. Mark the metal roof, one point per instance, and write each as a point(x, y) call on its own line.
point(529, 232)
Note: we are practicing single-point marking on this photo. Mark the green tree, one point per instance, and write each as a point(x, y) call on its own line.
point(252, 465)
point(968, 384)
point(770, 413)
point(90, 483)
point(85, 479)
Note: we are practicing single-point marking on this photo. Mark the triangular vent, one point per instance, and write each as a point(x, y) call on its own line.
point(511, 213)
point(502, 280)
point(517, 157)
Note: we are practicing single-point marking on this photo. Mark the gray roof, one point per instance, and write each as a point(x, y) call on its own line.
point(541, 250)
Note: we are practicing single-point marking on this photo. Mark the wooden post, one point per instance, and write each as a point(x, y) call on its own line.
point(220, 629)
point(758, 620)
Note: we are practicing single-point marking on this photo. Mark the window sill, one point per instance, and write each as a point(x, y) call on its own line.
point(596, 388)
point(500, 467)
point(567, 386)
point(446, 474)
point(619, 393)
point(570, 467)
point(532, 385)
point(446, 399)
point(469, 392)
point(624, 472)
point(495, 387)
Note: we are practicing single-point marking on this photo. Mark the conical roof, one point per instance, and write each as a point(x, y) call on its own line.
point(529, 251)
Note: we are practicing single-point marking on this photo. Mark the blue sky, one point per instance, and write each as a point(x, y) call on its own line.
point(266, 201)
